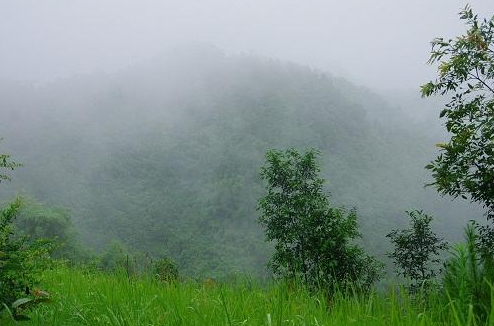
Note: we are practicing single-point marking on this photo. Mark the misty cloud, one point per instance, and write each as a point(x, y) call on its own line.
point(382, 44)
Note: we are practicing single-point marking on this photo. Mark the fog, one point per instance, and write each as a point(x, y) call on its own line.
point(382, 44)
point(148, 121)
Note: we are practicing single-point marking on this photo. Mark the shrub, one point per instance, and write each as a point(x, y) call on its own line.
point(165, 270)
point(21, 262)
point(116, 256)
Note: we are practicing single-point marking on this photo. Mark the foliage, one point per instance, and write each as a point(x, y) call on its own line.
point(6, 163)
point(417, 249)
point(116, 256)
point(21, 263)
point(465, 166)
point(468, 279)
point(38, 221)
point(170, 165)
point(165, 270)
point(313, 241)
point(110, 299)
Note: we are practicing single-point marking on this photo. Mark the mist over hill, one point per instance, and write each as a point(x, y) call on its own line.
point(164, 156)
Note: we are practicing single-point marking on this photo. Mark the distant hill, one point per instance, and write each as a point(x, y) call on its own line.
point(165, 155)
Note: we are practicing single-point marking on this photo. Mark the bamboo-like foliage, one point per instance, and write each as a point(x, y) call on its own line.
point(468, 278)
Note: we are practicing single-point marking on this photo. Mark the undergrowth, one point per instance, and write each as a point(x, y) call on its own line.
point(95, 298)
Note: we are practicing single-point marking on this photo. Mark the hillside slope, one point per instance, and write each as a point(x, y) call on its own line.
point(164, 156)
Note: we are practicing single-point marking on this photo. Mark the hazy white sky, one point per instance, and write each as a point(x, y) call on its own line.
point(382, 44)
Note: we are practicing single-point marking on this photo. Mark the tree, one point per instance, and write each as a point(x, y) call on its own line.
point(39, 221)
point(313, 241)
point(6, 163)
point(416, 249)
point(465, 166)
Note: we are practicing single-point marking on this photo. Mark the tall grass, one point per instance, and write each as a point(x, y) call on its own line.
point(94, 298)
point(468, 281)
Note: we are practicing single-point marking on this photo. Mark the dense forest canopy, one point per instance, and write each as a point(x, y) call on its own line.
point(164, 156)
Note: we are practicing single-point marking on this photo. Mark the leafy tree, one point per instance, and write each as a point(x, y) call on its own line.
point(465, 166)
point(313, 241)
point(39, 221)
point(6, 163)
point(417, 249)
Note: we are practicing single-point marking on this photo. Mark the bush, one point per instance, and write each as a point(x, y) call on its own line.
point(21, 262)
point(116, 256)
point(165, 270)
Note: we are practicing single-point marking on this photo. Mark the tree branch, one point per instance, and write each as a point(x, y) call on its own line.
point(482, 81)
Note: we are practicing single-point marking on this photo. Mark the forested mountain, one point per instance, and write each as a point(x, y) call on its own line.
point(164, 156)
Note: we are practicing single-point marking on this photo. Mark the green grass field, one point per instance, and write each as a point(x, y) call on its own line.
point(93, 298)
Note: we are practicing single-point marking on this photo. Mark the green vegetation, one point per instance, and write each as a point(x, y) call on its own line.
point(37, 221)
point(465, 166)
point(91, 298)
point(21, 263)
point(468, 278)
point(165, 159)
point(417, 250)
point(165, 270)
point(161, 194)
point(6, 163)
point(313, 241)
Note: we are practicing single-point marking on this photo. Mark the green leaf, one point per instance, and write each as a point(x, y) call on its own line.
point(20, 302)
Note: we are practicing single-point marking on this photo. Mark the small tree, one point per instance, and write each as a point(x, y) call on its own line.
point(465, 166)
point(313, 241)
point(416, 249)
